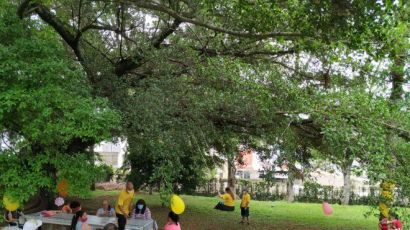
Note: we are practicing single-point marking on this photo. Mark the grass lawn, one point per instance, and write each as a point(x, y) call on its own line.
point(199, 214)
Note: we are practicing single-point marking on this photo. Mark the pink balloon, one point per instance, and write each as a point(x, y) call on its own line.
point(327, 209)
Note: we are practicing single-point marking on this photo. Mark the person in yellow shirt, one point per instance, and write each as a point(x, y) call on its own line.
point(123, 206)
point(246, 199)
point(228, 203)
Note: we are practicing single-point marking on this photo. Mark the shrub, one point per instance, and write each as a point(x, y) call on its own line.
point(104, 173)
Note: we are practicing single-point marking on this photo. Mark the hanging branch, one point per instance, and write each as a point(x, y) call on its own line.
point(164, 9)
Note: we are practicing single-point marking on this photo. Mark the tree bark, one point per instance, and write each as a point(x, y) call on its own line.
point(397, 78)
point(346, 184)
point(290, 195)
point(231, 174)
point(43, 200)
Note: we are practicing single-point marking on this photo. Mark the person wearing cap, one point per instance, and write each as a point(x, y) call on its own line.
point(246, 199)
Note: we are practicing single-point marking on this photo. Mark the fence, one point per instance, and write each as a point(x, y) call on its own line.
point(308, 192)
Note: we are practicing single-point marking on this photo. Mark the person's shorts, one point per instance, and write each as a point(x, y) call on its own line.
point(222, 207)
point(245, 212)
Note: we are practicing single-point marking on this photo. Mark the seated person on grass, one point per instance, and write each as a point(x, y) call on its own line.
point(79, 221)
point(141, 211)
point(106, 210)
point(72, 207)
point(228, 203)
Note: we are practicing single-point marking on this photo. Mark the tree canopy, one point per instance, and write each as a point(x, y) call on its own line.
point(187, 76)
point(48, 117)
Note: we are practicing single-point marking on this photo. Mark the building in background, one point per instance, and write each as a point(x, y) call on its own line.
point(252, 170)
point(112, 153)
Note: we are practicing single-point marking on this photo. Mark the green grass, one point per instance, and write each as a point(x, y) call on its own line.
point(200, 214)
point(99, 193)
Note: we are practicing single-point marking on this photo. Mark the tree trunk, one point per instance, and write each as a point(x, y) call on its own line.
point(231, 175)
point(218, 186)
point(397, 78)
point(346, 184)
point(43, 200)
point(290, 196)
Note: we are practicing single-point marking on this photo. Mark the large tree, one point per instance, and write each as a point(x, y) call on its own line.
point(49, 120)
point(235, 59)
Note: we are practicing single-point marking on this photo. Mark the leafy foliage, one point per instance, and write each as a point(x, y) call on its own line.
point(188, 76)
point(48, 117)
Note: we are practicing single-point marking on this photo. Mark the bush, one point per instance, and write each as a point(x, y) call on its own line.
point(312, 192)
point(316, 193)
point(261, 190)
point(104, 173)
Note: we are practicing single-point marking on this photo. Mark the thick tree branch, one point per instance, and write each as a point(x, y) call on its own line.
point(242, 54)
point(24, 9)
point(47, 16)
point(405, 134)
point(100, 27)
point(99, 51)
point(397, 76)
point(161, 8)
point(125, 65)
point(165, 33)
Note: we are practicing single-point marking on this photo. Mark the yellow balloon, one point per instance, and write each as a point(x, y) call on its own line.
point(177, 204)
point(10, 203)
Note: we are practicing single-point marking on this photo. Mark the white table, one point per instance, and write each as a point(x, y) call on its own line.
point(95, 222)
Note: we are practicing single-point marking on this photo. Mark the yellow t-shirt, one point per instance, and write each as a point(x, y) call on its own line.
point(228, 201)
point(246, 198)
point(124, 199)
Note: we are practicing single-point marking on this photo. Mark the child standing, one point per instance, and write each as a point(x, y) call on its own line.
point(173, 222)
point(246, 199)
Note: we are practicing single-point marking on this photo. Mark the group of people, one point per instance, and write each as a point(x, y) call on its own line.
point(122, 211)
point(228, 203)
point(390, 223)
